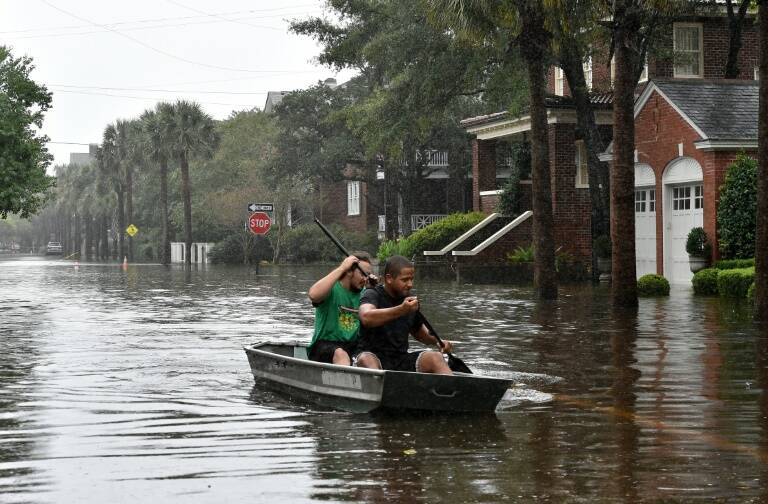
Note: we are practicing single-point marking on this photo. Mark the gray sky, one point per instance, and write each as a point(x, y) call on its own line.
point(107, 60)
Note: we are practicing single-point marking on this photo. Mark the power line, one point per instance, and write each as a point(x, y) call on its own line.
point(172, 18)
point(144, 44)
point(148, 98)
point(178, 4)
point(157, 90)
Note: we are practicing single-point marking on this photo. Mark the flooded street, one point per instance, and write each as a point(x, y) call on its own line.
point(123, 386)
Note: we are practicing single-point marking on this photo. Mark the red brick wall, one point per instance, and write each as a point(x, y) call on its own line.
point(716, 41)
point(334, 200)
point(483, 169)
point(571, 206)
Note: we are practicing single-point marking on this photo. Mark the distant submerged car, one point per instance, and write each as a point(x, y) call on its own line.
point(53, 248)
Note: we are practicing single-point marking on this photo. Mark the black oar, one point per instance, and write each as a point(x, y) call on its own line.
point(454, 362)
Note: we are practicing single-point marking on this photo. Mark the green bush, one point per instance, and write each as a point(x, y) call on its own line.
point(751, 292)
point(697, 243)
point(308, 244)
point(735, 282)
point(509, 200)
point(652, 285)
point(705, 282)
point(230, 251)
point(521, 254)
point(433, 237)
point(726, 264)
point(737, 210)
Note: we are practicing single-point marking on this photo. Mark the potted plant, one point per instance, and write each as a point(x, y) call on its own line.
point(602, 250)
point(698, 248)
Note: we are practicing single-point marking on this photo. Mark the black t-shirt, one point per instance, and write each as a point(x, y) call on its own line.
point(391, 338)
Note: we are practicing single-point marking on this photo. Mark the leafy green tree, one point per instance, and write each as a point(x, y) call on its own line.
point(737, 208)
point(23, 155)
point(191, 133)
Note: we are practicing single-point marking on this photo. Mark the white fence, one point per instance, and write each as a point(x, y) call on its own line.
point(199, 252)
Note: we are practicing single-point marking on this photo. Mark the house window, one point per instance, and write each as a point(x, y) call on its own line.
point(559, 81)
point(698, 199)
point(640, 197)
point(757, 73)
point(353, 197)
point(689, 57)
point(651, 200)
point(588, 72)
point(681, 198)
point(582, 167)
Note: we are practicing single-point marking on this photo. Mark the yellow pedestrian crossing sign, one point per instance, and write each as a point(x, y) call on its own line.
point(131, 230)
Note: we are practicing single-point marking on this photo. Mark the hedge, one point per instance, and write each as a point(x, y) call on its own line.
point(705, 282)
point(736, 210)
point(652, 285)
point(433, 237)
point(735, 282)
point(727, 264)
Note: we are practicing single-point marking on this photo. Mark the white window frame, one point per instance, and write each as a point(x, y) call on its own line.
point(757, 73)
point(353, 197)
point(559, 81)
point(587, 67)
point(700, 28)
point(582, 166)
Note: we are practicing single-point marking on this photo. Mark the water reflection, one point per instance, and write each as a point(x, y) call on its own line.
point(120, 385)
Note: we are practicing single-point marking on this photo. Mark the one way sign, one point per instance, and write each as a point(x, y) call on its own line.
point(260, 207)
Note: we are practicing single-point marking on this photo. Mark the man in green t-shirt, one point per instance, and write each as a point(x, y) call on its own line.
point(336, 298)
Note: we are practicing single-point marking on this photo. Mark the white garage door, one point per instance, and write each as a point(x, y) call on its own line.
point(645, 230)
point(684, 205)
point(645, 219)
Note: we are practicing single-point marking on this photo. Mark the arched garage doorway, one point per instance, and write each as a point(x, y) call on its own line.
point(683, 210)
point(645, 219)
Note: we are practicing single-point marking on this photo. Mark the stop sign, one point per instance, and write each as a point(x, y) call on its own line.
point(259, 223)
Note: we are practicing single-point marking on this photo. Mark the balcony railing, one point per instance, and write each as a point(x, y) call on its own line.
point(419, 221)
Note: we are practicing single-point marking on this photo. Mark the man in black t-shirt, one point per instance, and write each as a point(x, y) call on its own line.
point(388, 315)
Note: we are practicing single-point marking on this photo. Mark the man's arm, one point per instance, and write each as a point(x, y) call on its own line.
point(423, 335)
point(320, 290)
point(371, 316)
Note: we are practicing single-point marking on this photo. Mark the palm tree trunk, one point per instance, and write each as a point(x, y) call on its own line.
point(129, 206)
point(88, 235)
point(165, 254)
point(623, 274)
point(534, 40)
point(121, 223)
point(761, 241)
point(186, 196)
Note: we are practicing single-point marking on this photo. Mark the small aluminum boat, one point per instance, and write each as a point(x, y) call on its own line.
point(286, 368)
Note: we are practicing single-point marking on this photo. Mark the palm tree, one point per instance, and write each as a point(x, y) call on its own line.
point(109, 166)
point(155, 148)
point(125, 159)
point(191, 132)
point(486, 20)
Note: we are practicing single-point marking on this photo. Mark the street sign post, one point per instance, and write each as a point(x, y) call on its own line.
point(260, 207)
point(259, 223)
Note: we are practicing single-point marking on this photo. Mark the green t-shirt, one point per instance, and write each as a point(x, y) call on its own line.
point(333, 320)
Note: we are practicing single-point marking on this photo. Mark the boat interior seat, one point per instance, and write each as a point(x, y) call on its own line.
point(300, 352)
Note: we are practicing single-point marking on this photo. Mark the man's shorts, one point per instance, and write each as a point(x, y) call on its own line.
point(396, 362)
point(323, 350)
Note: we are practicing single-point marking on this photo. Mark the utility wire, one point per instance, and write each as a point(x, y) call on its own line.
point(179, 4)
point(144, 44)
point(149, 98)
point(171, 18)
point(155, 90)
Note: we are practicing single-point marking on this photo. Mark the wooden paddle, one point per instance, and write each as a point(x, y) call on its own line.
point(454, 362)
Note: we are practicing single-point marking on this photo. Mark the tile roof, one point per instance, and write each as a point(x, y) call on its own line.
point(723, 109)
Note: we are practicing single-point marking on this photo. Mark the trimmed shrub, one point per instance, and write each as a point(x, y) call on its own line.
point(308, 244)
point(737, 210)
point(697, 243)
point(433, 237)
point(652, 285)
point(751, 292)
point(735, 282)
point(230, 251)
point(705, 282)
point(727, 264)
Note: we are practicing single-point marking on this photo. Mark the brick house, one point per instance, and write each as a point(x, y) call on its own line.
point(690, 125)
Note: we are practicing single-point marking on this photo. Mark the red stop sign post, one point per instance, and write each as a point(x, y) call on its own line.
point(259, 223)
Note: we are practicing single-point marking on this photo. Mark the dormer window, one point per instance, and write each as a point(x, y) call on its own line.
point(689, 56)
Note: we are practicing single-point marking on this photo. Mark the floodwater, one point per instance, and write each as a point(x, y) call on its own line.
point(130, 386)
